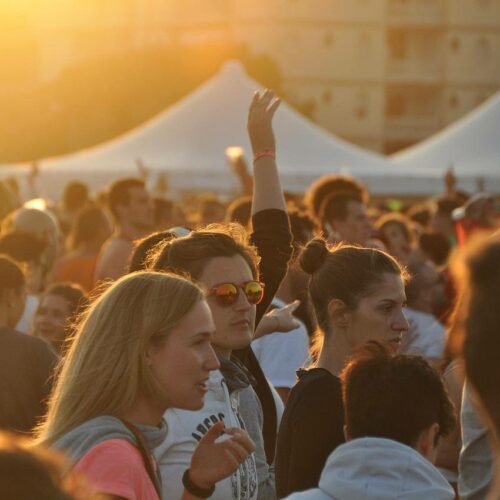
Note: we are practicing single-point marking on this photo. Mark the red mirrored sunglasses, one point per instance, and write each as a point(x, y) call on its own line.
point(226, 294)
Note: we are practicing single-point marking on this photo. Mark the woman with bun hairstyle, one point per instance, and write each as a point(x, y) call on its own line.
point(143, 346)
point(358, 294)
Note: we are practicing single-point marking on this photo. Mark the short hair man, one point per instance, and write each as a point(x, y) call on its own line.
point(26, 363)
point(425, 294)
point(133, 213)
point(396, 408)
point(344, 217)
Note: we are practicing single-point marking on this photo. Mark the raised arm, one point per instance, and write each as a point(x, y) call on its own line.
point(267, 191)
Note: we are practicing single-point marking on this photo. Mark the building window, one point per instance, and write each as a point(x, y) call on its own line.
point(328, 40)
point(453, 101)
point(396, 105)
point(483, 49)
point(398, 44)
point(327, 97)
point(455, 44)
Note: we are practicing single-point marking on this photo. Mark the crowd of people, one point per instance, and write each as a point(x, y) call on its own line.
point(324, 346)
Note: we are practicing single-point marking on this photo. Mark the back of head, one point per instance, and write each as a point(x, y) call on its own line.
point(22, 246)
point(482, 340)
point(11, 275)
point(397, 219)
point(87, 225)
point(435, 246)
point(393, 397)
point(8, 200)
point(119, 193)
point(191, 253)
point(240, 211)
point(326, 186)
point(33, 221)
point(32, 472)
point(212, 211)
point(106, 368)
point(73, 294)
point(343, 272)
point(140, 256)
point(76, 195)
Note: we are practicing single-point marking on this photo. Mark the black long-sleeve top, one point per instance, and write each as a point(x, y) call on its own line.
point(311, 428)
point(272, 238)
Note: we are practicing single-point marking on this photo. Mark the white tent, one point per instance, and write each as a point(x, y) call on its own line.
point(188, 141)
point(471, 145)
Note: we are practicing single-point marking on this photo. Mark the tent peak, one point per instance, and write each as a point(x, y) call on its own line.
point(233, 67)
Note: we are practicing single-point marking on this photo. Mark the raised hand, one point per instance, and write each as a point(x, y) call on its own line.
point(212, 462)
point(285, 321)
point(260, 117)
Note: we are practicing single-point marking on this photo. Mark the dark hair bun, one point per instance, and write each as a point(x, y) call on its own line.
point(313, 256)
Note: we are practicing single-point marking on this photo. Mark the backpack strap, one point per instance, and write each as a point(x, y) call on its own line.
point(147, 457)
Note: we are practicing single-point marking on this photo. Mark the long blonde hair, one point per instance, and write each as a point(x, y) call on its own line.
point(105, 368)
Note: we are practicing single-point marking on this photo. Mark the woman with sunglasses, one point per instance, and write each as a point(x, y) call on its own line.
point(226, 265)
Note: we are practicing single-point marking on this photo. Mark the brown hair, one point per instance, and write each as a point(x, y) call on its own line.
point(344, 272)
point(191, 253)
point(329, 184)
point(393, 397)
point(482, 338)
point(397, 219)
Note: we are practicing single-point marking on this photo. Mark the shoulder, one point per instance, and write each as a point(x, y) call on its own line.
point(25, 341)
point(314, 387)
point(115, 467)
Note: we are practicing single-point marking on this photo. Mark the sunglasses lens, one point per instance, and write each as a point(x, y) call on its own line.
point(254, 292)
point(226, 294)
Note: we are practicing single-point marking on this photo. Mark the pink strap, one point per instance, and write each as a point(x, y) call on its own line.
point(265, 152)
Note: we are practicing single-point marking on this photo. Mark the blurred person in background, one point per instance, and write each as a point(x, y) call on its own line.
point(28, 251)
point(33, 472)
point(168, 214)
point(478, 471)
point(240, 211)
point(57, 312)
point(424, 294)
point(442, 219)
point(211, 211)
point(26, 363)
point(396, 233)
point(133, 214)
point(8, 200)
point(42, 225)
point(75, 198)
point(481, 213)
point(90, 230)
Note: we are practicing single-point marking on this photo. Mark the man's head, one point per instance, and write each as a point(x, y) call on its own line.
point(43, 226)
point(345, 215)
point(425, 291)
point(75, 196)
point(482, 328)
point(395, 397)
point(12, 292)
point(130, 204)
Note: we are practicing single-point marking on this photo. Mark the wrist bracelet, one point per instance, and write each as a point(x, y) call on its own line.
point(194, 489)
point(265, 152)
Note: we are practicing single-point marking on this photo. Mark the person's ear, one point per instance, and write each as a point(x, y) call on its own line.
point(338, 313)
point(347, 436)
point(427, 442)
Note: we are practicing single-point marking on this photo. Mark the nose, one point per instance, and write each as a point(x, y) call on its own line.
point(401, 323)
point(242, 303)
point(211, 361)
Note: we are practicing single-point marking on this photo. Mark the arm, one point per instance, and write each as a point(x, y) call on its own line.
point(267, 192)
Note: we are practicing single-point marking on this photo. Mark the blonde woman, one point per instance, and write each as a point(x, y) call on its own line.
point(142, 347)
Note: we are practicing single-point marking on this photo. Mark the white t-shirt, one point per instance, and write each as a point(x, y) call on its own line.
point(30, 307)
point(426, 335)
point(281, 354)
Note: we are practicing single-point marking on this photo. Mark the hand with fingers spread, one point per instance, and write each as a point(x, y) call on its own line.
point(213, 461)
point(280, 319)
point(260, 117)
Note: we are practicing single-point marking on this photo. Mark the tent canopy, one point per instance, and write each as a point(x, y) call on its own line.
point(188, 140)
point(471, 145)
